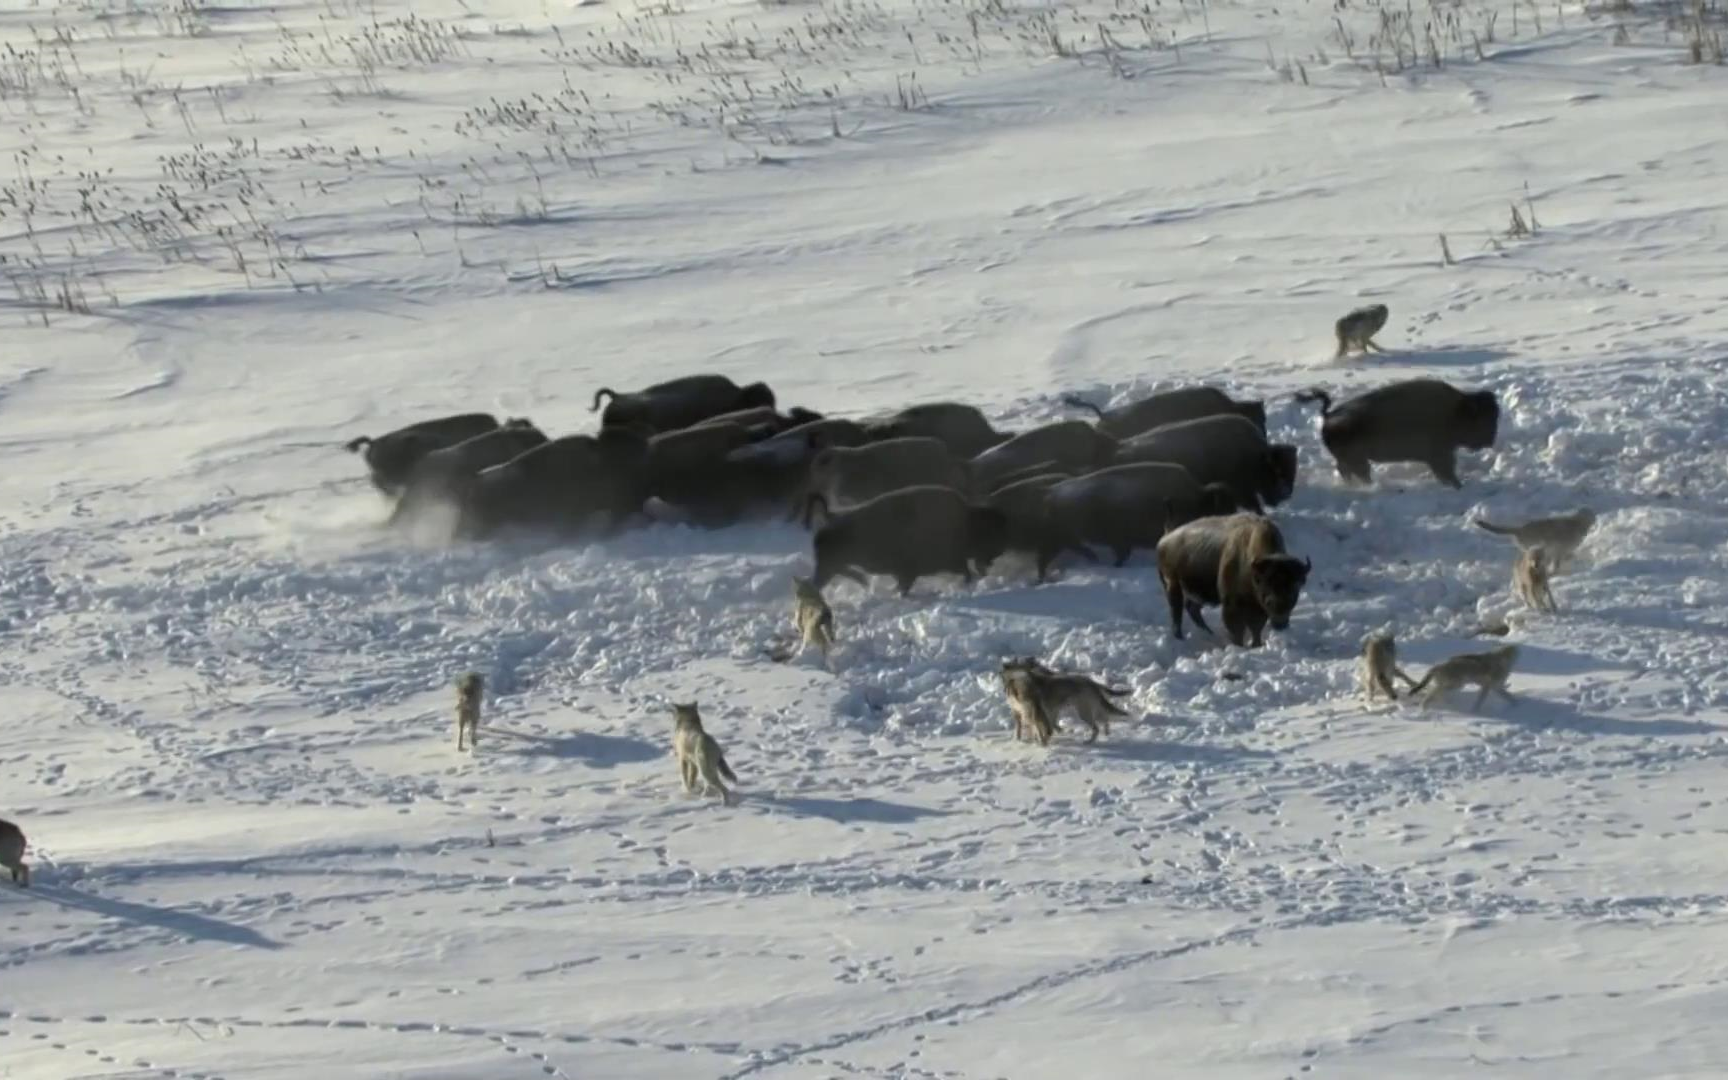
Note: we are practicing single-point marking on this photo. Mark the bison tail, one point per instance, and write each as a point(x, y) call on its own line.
point(1319, 395)
point(604, 391)
point(1076, 402)
point(1169, 519)
point(354, 446)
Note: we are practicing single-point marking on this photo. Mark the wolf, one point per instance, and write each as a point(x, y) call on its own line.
point(1024, 700)
point(1531, 576)
point(1357, 329)
point(1379, 664)
point(1055, 691)
point(1562, 534)
point(699, 756)
point(469, 690)
point(813, 616)
point(1487, 670)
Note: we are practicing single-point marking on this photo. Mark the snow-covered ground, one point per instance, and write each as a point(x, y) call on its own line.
point(234, 236)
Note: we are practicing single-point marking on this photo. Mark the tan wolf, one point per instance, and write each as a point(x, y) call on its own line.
point(469, 690)
point(1379, 664)
point(1562, 534)
point(1023, 699)
point(1487, 670)
point(1055, 691)
point(699, 756)
point(814, 618)
point(1531, 578)
point(1356, 330)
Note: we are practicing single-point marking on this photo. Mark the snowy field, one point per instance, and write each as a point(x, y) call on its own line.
point(233, 236)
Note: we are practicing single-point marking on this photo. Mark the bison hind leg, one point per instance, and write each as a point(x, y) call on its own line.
point(1195, 613)
point(1444, 465)
point(1173, 593)
point(1046, 555)
point(1355, 470)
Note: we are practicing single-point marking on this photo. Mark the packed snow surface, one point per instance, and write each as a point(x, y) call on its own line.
point(234, 236)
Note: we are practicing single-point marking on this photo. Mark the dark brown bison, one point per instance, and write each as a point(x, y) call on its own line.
point(1423, 420)
point(1032, 528)
point(1130, 506)
point(700, 473)
point(12, 845)
point(849, 475)
point(1237, 562)
point(441, 476)
point(391, 458)
point(679, 403)
point(908, 534)
point(1066, 444)
point(963, 428)
point(573, 486)
point(764, 421)
point(1171, 407)
point(1227, 450)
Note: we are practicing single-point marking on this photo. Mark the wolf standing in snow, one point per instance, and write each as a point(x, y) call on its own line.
point(814, 617)
point(1562, 534)
point(1038, 695)
point(1379, 664)
point(699, 756)
point(1025, 701)
point(1357, 329)
point(1487, 670)
point(1530, 578)
point(469, 690)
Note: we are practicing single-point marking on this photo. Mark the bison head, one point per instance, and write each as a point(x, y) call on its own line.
point(1278, 581)
point(1478, 420)
point(624, 411)
point(754, 395)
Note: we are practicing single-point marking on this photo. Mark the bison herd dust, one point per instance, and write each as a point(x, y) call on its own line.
point(933, 488)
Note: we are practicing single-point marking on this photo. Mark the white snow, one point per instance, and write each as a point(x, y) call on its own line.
point(236, 235)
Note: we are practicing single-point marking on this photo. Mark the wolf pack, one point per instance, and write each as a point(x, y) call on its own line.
point(935, 488)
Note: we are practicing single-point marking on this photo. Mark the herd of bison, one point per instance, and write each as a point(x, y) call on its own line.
point(933, 488)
